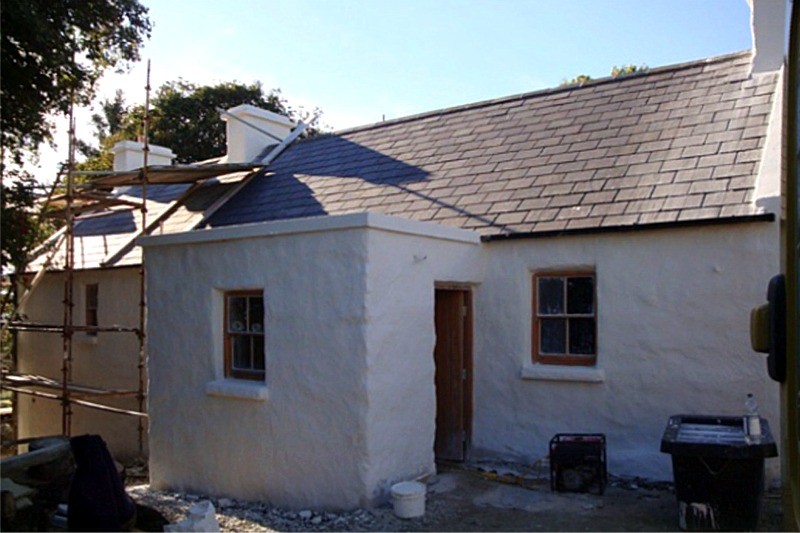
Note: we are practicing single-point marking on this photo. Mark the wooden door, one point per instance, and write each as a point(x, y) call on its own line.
point(453, 359)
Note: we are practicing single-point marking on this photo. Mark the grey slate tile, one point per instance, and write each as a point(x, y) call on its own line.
point(658, 217)
point(700, 213)
point(673, 189)
point(724, 198)
point(683, 202)
point(679, 143)
point(708, 186)
point(620, 220)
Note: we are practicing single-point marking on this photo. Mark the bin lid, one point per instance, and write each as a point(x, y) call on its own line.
point(715, 436)
point(408, 489)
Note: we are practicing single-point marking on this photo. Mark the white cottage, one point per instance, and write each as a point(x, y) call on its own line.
point(464, 284)
point(107, 285)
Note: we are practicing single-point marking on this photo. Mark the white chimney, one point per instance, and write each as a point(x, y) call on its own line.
point(768, 27)
point(129, 155)
point(245, 141)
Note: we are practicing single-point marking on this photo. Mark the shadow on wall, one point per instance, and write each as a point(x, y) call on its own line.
point(280, 194)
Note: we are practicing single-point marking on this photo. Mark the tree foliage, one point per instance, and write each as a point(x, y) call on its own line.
point(577, 80)
point(616, 72)
point(53, 51)
point(19, 227)
point(113, 117)
point(183, 117)
point(186, 119)
point(112, 124)
point(625, 70)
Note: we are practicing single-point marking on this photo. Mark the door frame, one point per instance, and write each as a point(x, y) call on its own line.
point(467, 289)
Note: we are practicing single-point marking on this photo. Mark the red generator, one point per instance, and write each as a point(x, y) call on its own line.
point(578, 462)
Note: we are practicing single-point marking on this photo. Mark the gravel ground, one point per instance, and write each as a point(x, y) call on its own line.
point(465, 500)
point(235, 515)
point(457, 500)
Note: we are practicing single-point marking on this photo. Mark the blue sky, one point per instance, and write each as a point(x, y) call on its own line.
point(359, 61)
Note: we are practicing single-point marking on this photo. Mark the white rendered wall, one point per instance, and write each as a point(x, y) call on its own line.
point(342, 414)
point(768, 31)
point(673, 337)
point(401, 417)
point(109, 360)
point(302, 444)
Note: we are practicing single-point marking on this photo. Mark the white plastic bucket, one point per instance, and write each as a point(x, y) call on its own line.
point(408, 498)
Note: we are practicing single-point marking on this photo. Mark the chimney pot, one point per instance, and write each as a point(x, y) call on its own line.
point(246, 143)
point(768, 27)
point(129, 155)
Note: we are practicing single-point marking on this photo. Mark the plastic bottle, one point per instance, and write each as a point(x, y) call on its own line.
point(752, 422)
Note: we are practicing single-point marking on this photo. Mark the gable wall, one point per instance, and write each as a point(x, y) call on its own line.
point(673, 337)
point(109, 360)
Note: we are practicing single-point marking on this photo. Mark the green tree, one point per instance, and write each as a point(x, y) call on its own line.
point(577, 80)
point(54, 51)
point(183, 117)
point(114, 117)
point(19, 224)
point(624, 70)
point(112, 124)
point(616, 72)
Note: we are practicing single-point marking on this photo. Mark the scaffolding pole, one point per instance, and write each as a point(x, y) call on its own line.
point(69, 287)
point(68, 393)
point(72, 207)
point(142, 309)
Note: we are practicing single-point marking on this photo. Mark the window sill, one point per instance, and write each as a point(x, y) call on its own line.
point(583, 374)
point(238, 389)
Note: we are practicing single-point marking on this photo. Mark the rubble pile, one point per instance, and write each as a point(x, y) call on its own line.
point(236, 515)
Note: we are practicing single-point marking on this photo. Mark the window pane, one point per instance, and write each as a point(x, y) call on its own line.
point(551, 296)
point(91, 307)
point(581, 336)
point(240, 352)
point(237, 313)
point(256, 318)
point(91, 296)
point(580, 296)
point(258, 352)
point(553, 336)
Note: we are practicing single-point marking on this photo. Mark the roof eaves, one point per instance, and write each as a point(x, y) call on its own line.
point(762, 217)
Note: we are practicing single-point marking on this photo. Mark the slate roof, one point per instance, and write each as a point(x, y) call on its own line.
point(100, 236)
point(677, 143)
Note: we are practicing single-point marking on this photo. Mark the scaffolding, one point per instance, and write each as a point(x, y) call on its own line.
point(96, 196)
point(74, 201)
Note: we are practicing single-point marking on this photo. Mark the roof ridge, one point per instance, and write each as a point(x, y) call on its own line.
point(533, 94)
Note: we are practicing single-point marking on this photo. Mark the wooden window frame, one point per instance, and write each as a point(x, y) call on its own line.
point(562, 359)
point(91, 294)
point(230, 371)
